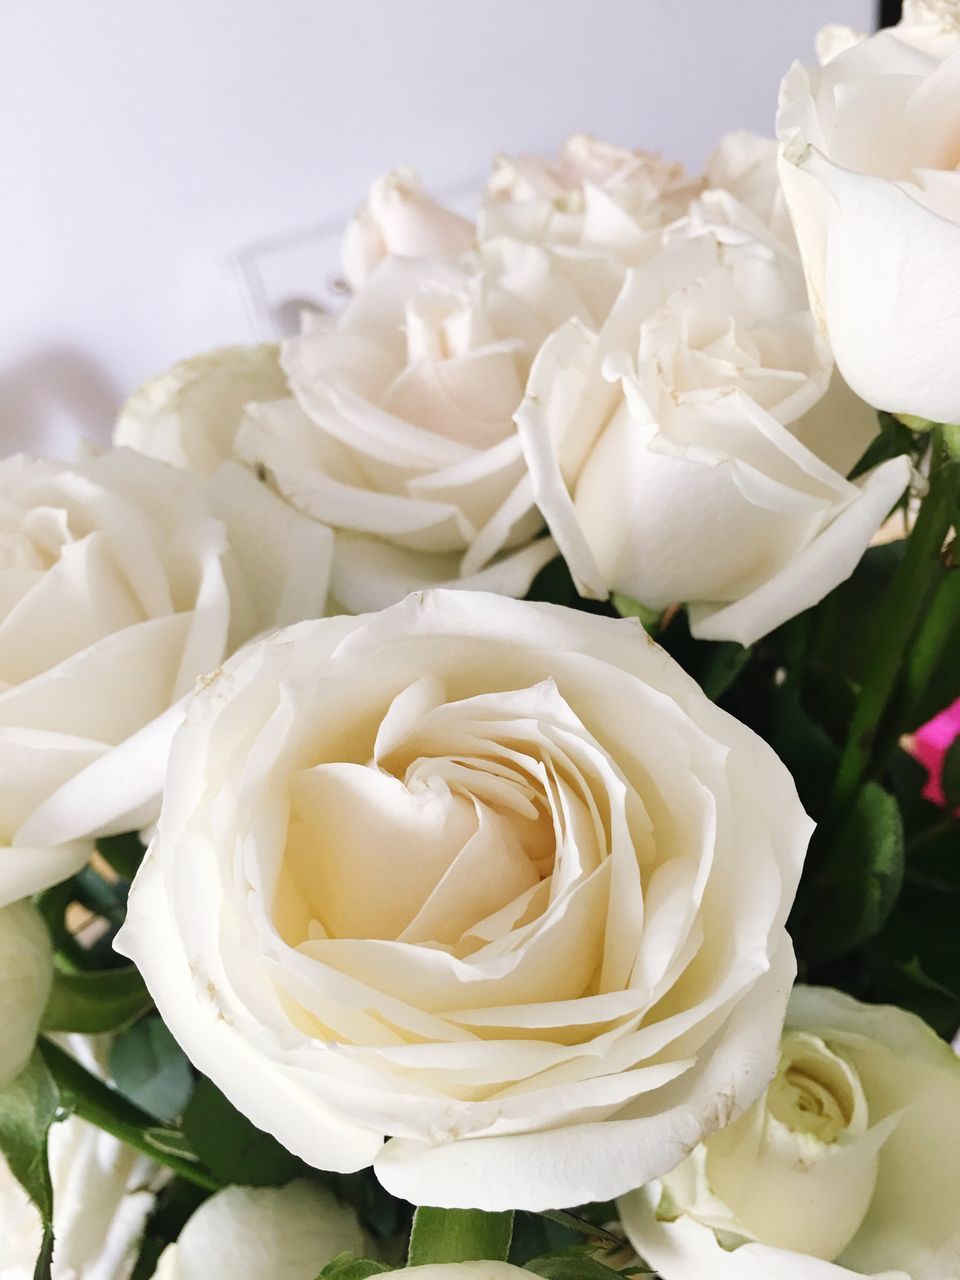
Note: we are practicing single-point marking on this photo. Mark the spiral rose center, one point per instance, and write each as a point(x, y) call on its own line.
point(814, 1094)
point(467, 822)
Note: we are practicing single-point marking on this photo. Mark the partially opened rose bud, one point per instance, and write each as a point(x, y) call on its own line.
point(849, 1165)
point(694, 449)
point(400, 219)
point(870, 148)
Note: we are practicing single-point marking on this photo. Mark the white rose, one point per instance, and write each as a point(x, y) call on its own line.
point(400, 434)
point(122, 581)
point(102, 1194)
point(593, 196)
point(262, 1233)
point(26, 971)
point(694, 449)
point(848, 1166)
point(744, 165)
point(871, 145)
point(492, 877)
point(399, 219)
point(189, 415)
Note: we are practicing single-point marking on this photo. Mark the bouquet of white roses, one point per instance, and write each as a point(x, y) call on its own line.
point(433, 748)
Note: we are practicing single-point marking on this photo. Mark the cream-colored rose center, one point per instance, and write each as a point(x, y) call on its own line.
point(814, 1095)
point(467, 823)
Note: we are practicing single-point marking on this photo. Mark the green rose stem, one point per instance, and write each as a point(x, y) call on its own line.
point(915, 578)
point(92, 1100)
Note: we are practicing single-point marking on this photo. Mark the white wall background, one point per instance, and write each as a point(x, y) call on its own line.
point(165, 161)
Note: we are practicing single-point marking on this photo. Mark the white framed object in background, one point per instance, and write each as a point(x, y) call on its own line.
point(176, 173)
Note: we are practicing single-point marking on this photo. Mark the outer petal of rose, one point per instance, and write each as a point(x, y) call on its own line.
point(26, 971)
point(597, 1161)
point(874, 258)
point(25, 870)
point(188, 415)
point(369, 574)
point(687, 1250)
point(296, 1118)
point(564, 392)
point(824, 564)
point(421, 525)
point(118, 792)
point(285, 555)
point(907, 1072)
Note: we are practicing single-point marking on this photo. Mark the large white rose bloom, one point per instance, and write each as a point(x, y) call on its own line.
point(694, 448)
point(848, 1166)
point(26, 971)
point(262, 1233)
point(400, 219)
point(103, 1192)
point(871, 144)
point(400, 431)
point(491, 877)
point(121, 582)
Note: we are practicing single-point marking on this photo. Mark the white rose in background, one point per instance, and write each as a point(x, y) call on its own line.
point(743, 166)
point(594, 196)
point(848, 1166)
point(263, 1233)
point(492, 877)
point(26, 972)
point(870, 149)
point(121, 582)
point(928, 25)
point(400, 432)
point(189, 415)
point(399, 219)
point(103, 1192)
point(597, 208)
point(694, 449)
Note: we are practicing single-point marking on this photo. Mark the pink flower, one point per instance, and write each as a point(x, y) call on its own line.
point(930, 745)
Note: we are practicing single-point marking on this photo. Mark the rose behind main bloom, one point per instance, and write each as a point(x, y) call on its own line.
point(493, 878)
point(870, 152)
point(848, 1166)
point(122, 581)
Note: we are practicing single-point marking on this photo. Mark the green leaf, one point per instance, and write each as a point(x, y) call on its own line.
point(459, 1235)
point(96, 1102)
point(950, 777)
point(231, 1147)
point(722, 666)
point(28, 1107)
point(150, 1068)
point(895, 437)
point(345, 1266)
point(95, 1002)
point(861, 878)
point(574, 1264)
